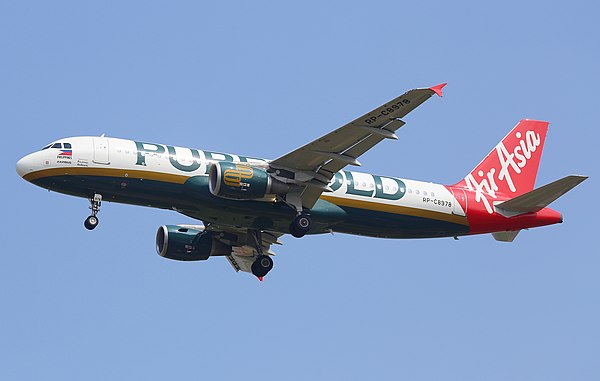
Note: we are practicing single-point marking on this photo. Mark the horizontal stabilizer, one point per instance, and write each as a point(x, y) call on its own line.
point(537, 199)
point(507, 236)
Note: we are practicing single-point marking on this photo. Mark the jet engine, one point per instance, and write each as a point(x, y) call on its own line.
point(188, 243)
point(242, 182)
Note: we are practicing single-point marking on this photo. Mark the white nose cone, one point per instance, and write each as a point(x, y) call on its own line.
point(25, 165)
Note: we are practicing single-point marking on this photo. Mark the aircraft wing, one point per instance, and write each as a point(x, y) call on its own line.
point(313, 165)
point(243, 252)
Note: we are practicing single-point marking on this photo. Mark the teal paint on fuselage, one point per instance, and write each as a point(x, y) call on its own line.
point(194, 199)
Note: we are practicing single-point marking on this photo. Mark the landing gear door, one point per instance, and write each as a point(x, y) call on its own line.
point(101, 150)
point(460, 202)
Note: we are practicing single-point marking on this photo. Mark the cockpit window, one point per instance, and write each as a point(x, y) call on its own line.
point(58, 145)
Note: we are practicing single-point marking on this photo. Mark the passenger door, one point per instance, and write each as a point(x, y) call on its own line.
point(101, 150)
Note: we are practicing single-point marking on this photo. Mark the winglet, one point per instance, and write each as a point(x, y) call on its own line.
point(438, 89)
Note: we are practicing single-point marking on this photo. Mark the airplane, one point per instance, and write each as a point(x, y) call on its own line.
point(246, 204)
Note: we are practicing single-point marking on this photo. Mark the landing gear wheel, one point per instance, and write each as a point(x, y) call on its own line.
point(91, 222)
point(262, 265)
point(300, 226)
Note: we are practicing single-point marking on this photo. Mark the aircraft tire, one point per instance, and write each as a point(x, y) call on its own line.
point(91, 222)
point(300, 226)
point(262, 265)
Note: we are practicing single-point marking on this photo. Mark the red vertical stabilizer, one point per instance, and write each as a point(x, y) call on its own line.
point(511, 167)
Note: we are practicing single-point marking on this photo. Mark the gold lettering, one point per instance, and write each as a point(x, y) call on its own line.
point(234, 177)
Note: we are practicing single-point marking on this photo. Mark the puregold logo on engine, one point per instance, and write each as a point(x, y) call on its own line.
point(234, 177)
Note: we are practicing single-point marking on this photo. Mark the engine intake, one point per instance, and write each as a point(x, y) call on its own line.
point(186, 243)
point(242, 182)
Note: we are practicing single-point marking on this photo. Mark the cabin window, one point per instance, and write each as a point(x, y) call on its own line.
point(432, 195)
point(416, 191)
point(424, 193)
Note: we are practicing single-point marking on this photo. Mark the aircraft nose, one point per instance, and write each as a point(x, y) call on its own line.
point(25, 165)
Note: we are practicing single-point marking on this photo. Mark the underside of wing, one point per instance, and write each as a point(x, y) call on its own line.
point(243, 244)
point(313, 165)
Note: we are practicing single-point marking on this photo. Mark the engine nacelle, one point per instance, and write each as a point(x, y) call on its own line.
point(188, 243)
point(242, 182)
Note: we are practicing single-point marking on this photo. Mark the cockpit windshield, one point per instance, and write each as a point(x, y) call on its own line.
point(58, 145)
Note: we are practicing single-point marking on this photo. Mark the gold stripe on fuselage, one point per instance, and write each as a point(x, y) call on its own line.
point(395, 209)
point(107, 172)
point(180, 179)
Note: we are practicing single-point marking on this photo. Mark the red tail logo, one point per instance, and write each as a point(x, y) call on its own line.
point(511, 167)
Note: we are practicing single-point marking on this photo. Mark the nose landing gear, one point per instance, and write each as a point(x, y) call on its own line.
point(91, 222)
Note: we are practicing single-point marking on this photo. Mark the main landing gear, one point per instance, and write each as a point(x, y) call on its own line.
point(263, 263)
point(261, 266)
point(300, 225)
point(91, 222)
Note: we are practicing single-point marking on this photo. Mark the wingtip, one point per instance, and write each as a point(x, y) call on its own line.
point(580, 178)
point(438, 88)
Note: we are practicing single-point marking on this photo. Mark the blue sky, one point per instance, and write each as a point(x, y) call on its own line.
point(260, 79)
